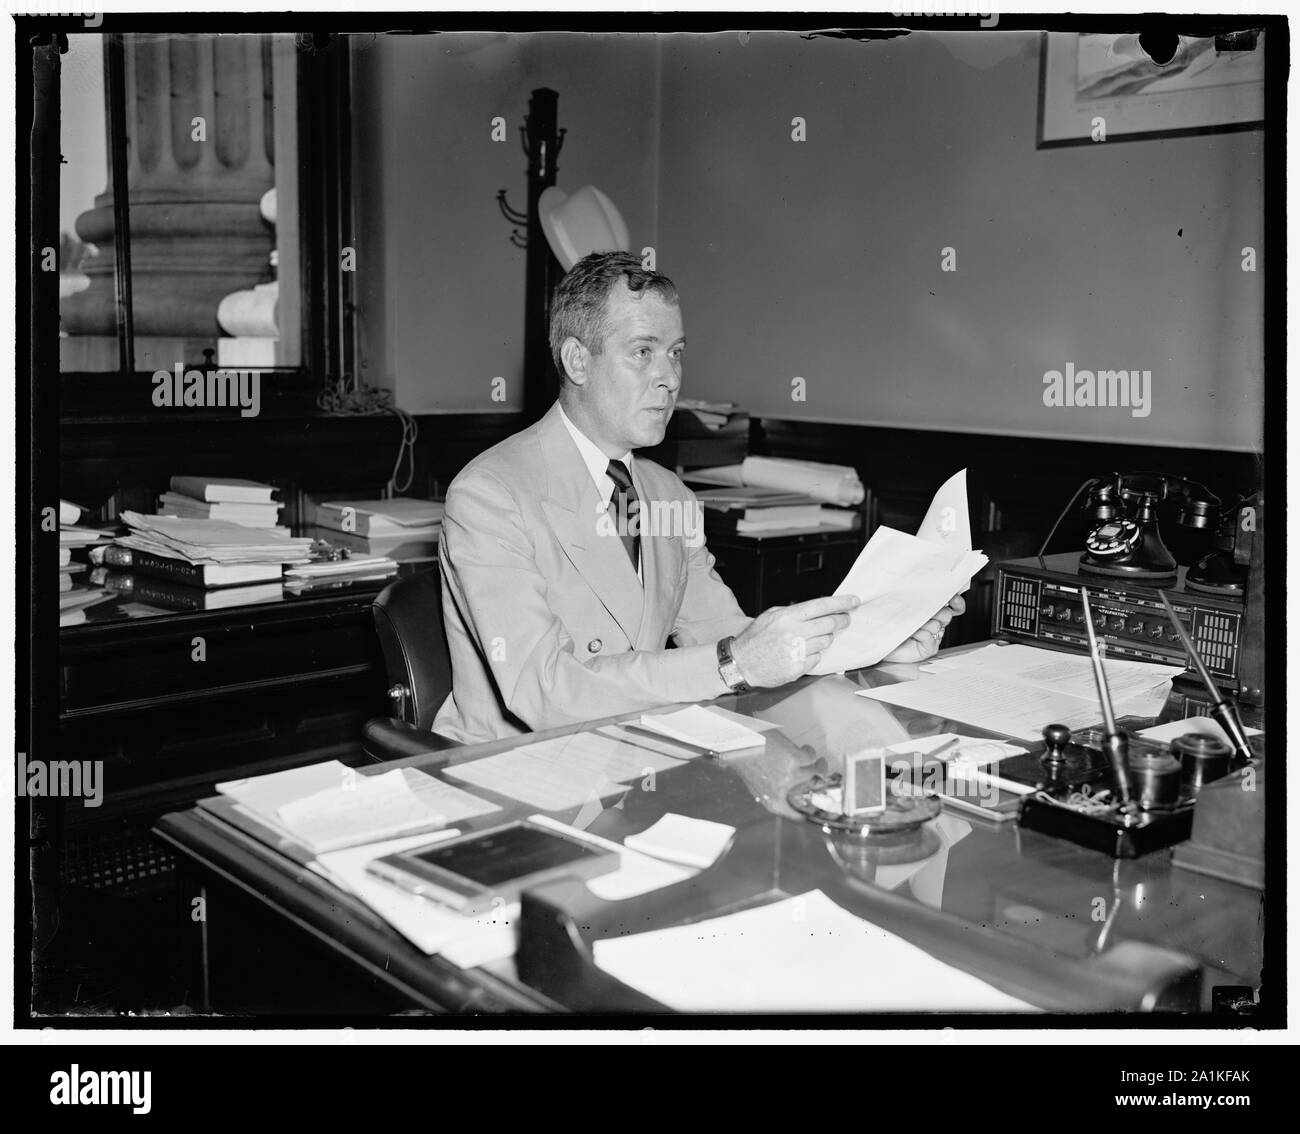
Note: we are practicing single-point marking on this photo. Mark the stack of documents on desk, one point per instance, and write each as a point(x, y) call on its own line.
point(1018, 690)
point(803, 954)
point(470, 941)
point(704, 728)
point(358, 568)
point(569, 771)
point(399, 515)
point(211, 541)
point(1193, 726)
point(329, 806)
point(903, 581)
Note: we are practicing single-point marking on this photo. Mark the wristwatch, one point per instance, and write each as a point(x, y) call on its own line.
point(728, 668)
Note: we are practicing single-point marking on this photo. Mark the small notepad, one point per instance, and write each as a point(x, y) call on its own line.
point(677, 838)
point(704, 729)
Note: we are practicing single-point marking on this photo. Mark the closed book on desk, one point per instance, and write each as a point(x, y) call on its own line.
point(175, 596)
point(215, 488)
point(184, 572)
point(252, 515)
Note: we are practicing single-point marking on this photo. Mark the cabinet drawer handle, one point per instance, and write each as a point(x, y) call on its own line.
point(807, 561)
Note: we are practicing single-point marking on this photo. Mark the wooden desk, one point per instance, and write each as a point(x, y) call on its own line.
point(1014, 907)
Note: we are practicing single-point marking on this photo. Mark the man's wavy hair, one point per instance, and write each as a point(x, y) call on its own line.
point(578, 307)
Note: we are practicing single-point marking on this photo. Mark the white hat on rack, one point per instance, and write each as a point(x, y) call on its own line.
point(580, 223)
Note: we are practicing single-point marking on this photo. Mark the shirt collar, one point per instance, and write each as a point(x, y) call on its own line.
point(594, 457)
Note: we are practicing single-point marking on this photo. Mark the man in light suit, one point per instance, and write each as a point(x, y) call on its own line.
point(567, 563)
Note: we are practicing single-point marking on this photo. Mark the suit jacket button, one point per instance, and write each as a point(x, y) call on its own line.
point(593, 647)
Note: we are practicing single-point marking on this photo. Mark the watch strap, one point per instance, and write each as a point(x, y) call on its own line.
point(728, 669)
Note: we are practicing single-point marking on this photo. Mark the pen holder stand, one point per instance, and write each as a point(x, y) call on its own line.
point(1066, 804)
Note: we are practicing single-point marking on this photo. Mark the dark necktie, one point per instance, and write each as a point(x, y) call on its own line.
point(623, 505)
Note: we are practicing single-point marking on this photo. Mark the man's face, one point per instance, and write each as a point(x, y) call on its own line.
point(629, 389)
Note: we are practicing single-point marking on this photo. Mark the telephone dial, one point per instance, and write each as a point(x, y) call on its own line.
point(1124, 540)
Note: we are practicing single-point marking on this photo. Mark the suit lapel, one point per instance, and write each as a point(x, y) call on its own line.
point(574, 509)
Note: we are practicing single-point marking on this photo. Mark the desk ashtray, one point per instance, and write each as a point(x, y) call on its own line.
point(821, 800)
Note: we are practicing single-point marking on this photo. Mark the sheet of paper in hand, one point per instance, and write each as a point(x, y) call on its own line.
point(904, 580)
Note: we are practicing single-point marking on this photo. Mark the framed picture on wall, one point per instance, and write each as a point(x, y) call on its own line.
point(1122, 87)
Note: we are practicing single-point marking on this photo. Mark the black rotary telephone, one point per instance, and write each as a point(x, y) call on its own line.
point(1124, 540)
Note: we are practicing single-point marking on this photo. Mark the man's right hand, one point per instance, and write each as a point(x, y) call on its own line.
point(785, 642)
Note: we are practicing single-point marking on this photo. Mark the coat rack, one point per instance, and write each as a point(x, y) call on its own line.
point(541, 142)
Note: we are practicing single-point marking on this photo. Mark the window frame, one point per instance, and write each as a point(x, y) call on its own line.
point(326, 226)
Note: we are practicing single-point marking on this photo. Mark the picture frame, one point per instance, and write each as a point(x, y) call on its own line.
point(1093, 84)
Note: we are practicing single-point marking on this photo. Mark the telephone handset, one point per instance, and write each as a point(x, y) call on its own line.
point(1125, 539)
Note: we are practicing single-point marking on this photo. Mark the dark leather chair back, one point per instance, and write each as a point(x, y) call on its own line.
point(408, 620)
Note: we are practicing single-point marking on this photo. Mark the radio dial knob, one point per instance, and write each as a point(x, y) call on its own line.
point(1139, 628)
point(1157, 631)
point(1047, 610)
point(1117, 623)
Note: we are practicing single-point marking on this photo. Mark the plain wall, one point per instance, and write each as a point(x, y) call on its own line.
point(819, 259)
point(440, 287)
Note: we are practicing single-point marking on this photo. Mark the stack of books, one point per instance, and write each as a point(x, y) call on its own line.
point(74, 598)
point(192, 564)
point(139, 585)
point(749, 510)
point(400, 529)
point(246, 502)
point(67, 568)
point(72, 534)
point(69, 514)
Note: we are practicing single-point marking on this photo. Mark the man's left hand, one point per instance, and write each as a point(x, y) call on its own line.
point(925, 643)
